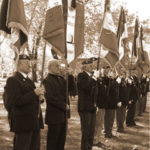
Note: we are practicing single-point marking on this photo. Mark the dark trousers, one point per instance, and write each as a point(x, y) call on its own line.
point(120, 117)
point(131, 114)
point(56, 136)
point(27, 140)
point(109, 120)
point(144, 103)
point(139, 105)
point(88, 120)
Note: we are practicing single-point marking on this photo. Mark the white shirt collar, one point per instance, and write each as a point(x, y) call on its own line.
point(24, 75)
point(88, 73)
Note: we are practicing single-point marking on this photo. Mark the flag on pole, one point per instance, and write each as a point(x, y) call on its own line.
point(13, 21)
point(108, 38)
point(64, 28)
point(135, 40)
point(54, 27)
point(75, 31)
point(122, 35)
point(143, 59)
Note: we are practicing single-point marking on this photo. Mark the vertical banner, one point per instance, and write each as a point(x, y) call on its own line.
point(75, 31)
point(70, 32)
point(54, 27)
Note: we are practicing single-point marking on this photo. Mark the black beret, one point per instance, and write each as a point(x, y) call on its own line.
point(106, 67)
point(93, 59)
point(24, 57)
point(87, 62)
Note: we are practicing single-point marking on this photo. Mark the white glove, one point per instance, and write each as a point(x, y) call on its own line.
point(118, 80)
point(96, 73)
point(129, 80)
point(144, 76)
point(119, 104)
point(130, 102)
point(110, 74)
point(147, 79)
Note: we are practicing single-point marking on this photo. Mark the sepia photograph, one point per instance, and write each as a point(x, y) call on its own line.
point(74, 75)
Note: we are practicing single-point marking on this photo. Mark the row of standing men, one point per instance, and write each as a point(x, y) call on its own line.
point(22, 100)
point(110, 94)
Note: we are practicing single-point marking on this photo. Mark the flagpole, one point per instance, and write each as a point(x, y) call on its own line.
point(107, 5)
point(43, 64)
point(65, 14)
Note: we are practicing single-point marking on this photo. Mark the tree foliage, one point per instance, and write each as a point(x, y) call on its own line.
point(35, 11)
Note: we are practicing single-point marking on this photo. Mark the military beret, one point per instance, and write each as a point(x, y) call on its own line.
point(106, 67)
point(93, 59)
point(24, 57)
point(89, 60)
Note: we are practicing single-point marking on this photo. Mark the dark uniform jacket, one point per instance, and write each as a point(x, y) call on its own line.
point(134, 90)
point(102, 93)
point(55, 87)
point(86, 92)
point(144, 87)
point(24, 104)
point(124, 92)
point(112, 93)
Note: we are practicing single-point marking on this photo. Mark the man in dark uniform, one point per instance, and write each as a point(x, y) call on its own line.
point(57, 105)
point(112, 101)
point(147, 90)
point(123, 98)
point(133, 97)
point(144, 89)
point(25, 115)
point(101, 103)
point(86, 84)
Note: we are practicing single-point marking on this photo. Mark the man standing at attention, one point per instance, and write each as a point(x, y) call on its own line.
point(87, 103)
point(25, 113)
point(57, 105)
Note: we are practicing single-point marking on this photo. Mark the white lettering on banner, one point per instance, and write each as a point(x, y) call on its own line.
point(70, 34)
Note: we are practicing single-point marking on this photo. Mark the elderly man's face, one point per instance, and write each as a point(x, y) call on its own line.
point(106, 71)
point(55, 67)
point(25, 66)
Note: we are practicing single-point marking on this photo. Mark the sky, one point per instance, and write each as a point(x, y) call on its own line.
point(138, 7)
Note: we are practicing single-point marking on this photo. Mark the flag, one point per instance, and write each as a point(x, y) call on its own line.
point(13, 21)
point(122, 35)
point(108, 38)
point(64, 28)
point(75, 31)
point(54, 27)
point(135, 40)
point(143, 59)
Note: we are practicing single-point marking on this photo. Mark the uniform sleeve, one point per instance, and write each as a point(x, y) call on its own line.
point(15, 95)
point(85, 83)
point(51, 99)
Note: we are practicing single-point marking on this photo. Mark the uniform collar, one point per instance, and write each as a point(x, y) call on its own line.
point(24, 75)
point(88, 73)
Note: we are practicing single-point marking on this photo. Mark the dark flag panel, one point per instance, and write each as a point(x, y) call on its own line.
point(54, 29)
point(108, 38)
point(79, 30)
point(13, 16)
point(136, 34)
